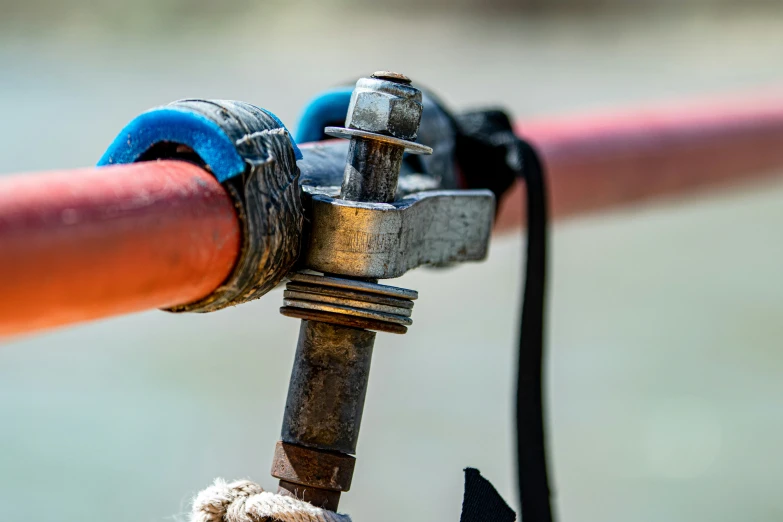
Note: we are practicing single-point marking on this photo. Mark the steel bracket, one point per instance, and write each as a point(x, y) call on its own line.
point(385, 240)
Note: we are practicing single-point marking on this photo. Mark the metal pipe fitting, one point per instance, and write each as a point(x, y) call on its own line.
point(329, 380)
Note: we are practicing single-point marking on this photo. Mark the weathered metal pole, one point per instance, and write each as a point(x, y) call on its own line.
point(314, 459)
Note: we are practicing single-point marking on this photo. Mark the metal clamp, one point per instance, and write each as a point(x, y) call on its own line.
point(363, 236)
point(385, 240)
point(251, 153)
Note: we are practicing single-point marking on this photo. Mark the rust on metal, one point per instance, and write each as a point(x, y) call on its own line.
point(391, 76)
point(323, 498)
point(348, 302)
point(351, 284)
point(327, 387)
point(349, 294)
point(343, 320)
point(312, 467)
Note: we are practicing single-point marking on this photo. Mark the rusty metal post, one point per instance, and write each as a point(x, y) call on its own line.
point(314, 459)
point(323, 412)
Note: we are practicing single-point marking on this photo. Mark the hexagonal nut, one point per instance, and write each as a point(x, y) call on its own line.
point(384, 113)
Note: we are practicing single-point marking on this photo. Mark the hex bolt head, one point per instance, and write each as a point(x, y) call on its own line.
point(385, 106)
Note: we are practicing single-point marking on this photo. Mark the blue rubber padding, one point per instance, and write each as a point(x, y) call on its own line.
point(177, 125)
point(326, 108)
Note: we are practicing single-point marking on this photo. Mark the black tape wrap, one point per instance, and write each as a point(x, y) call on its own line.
point(267, 200)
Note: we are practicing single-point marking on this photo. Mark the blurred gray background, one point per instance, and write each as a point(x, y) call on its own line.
point(665, 330)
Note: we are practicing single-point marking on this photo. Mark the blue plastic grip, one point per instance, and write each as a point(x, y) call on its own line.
point(326, 108)
point(178, 125)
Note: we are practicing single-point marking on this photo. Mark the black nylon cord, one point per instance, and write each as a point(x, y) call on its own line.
point(532, 475)
point(491, 155)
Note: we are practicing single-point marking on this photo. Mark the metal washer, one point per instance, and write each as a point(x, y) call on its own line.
point(358, 304)
point(410, 146)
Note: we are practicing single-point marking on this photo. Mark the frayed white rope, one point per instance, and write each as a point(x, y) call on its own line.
point(245, 501)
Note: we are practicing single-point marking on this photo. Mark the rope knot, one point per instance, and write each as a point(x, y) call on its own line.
point(245, 501)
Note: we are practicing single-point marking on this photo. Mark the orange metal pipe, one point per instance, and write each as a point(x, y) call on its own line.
point(84, 244)
point(595, 162)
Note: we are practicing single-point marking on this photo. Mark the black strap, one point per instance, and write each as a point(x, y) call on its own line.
point(532, 476)
point(491, 156)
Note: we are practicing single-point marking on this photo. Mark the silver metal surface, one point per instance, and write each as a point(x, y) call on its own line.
point(320, 297)
point(360, 286)
point(349, 294)
point(382, 122)
point(410, 146)
point(385, 240)
point(386, 107)
point(350, 298)
point(372, 171)
point(348, 302)
point(364, 313)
